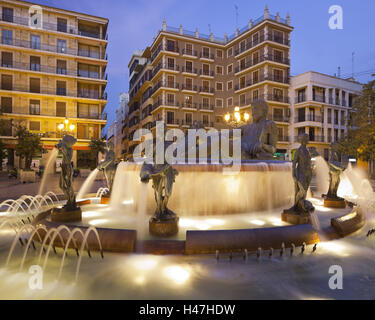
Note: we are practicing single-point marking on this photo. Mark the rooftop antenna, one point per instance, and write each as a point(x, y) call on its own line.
point(353, 54)
point(339, 72)
point(236, 8)
point(209, 28)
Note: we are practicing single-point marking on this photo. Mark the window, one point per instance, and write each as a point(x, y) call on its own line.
point(189, 101)
point(88, 111)
point(277, 94)
point(189, 66)
point(206, 69)
point(170, 62)
point(219, 103)
point(206, 85)
point(255, 39)
point(219, 86)
point(61, 46)
point(219, 69)
point(255, 58)
point(86, 90)
point(277, 75)
point(88, 71)
point(278, 114)
point(278, 55)
point(171, 45)
point(205, 119)
point(61, 88)
point(329, 116)
point(8, 14)
point(189, 83)
point(7, 59)
point(255, 76)
point(242, 99)
point(34, 85)
point(35, 63)
point(7, 37)
point(206, 102)
point(336, 117)
point(6, 105)
point(230, 85)
point(242, 82)
point(229, 102)
point(170, 99)
point(60, 109)
point(230, 52)
point(87, 131)
point(61, 67)
point(278, 36)
point(219, 53)
point(34, 125)
point(188, 118)
point(301, 95)
point(35, 42)
point(6, 82)
point(206, 52)
point(255, 95)
point(88, 51)
point(34, 107)
point(170, 117)
point(189, 49)
point(170, 82)
point(230, 68)
point(62, 25)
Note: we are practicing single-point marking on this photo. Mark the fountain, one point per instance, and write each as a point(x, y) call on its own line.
point(109, 168)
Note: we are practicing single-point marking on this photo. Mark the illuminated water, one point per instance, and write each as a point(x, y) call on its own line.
point(48, 170)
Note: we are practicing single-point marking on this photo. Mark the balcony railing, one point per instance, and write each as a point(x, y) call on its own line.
point(204, 106)
point(189, 87)
point(309, 117)
point(206, 90)
point(254, 81)
point(261, 39)
point(312, 138)
point(299, 99)
point(190, 70)
point(52, 26)
point(280, 118)
point(283, 138)
point(277, 98)
point(163, 48)
point(319, 98)
point(263, 58)
point(173, 121)
point(53, 91)
point(207, 73)
point(166, 84)
point(192, 53)
point(192, 105)
point(205, 55)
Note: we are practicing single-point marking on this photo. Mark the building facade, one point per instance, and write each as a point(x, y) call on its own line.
point(53, 72)
point(185, 76)
point(321, 107)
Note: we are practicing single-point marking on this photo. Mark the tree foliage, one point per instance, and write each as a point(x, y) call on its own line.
point(360, 140)
point(28, 145)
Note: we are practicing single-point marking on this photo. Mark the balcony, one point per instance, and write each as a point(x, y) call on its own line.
point(261, 39)
point(208, 56)
point(157, 104)
point(262, 78)
point(319, 98)
point(166, 84)
point(309, 117)
point(59, 27)
point(283, 139)
point(204, 106)
point(277, 98)
point(186, 123)
point(206, 90)
point(165, 66)
point(164, 48)
point(189, 87)
point(51, 91)
point(191, 53)
point(280, 118)
point(89, 94)
point(173, 122)
point(299, 99)
point(190, 70)
point(206, 73)
point(192, 105)
point(254, 62)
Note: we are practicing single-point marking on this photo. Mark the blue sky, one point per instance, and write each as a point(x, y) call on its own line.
point(133, 24)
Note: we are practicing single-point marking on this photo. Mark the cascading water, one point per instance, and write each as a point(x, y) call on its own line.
point(141, 220)
point(86, 187)
point(48, 169)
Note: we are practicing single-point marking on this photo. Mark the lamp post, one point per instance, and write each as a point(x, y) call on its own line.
point(237, 119)
point(66, 127)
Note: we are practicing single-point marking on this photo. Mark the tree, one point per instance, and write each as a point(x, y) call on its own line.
point(96, 146)
point(3, 154)
point(28, 145)
point(360, 140)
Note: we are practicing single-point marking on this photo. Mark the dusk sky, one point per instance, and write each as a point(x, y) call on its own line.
point(314, 46)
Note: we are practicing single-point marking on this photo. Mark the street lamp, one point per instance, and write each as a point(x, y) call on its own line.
point(236, 119)
point(65, 127)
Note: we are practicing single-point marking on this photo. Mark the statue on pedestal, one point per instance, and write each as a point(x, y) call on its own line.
point(70, 211)
point(302, 174)
point(109, 166)
point(260, 137)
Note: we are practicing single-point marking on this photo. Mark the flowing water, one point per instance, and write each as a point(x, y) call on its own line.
point(86, 187)
point(48, 170)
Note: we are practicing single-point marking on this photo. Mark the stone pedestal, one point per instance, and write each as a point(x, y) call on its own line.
point(105, 199)
point(334, 202)
point(62, 215)
point(27, 176)
point(295, 218)
point(165, 228)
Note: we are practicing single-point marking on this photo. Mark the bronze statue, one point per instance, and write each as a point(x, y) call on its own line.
point(260, 137)
point(66, 178)
point(335, 170)
point(163, 177)
point(109, 166)
point(302, 174)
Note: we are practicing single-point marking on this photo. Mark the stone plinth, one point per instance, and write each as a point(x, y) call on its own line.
point(104, 199)
point(338, 203)
point(62, 215)
point(165, 228)
point(27, 176)
point(295, 218)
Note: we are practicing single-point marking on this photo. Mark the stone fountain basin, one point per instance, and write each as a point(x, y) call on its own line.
point(224, 240)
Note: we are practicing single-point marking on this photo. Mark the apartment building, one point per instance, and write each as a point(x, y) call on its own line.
point(53, 75)
point(186, 76)
point(321, 107)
